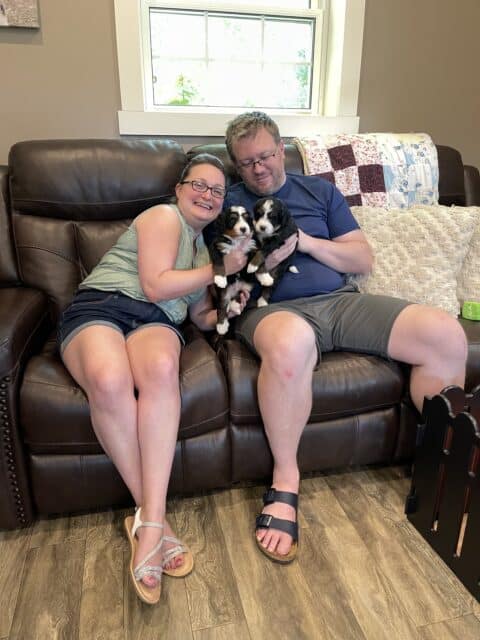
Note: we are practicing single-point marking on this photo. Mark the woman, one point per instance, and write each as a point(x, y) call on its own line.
point(122, 333)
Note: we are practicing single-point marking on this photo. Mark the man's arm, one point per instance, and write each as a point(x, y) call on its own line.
point(348, 253)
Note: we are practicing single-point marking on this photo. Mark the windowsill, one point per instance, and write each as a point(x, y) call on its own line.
point(207, 124)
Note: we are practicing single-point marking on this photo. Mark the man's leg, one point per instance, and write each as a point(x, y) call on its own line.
point(435, 344)
point(286, 345)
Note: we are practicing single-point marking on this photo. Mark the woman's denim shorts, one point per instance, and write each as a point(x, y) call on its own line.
point(112, 309)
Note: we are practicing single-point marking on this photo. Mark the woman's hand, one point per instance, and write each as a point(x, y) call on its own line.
point(282, 253)
point(236, 260)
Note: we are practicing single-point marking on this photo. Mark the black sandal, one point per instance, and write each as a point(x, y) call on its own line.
point(267, 521)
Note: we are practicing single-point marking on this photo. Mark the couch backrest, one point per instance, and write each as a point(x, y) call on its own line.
point(71, 199)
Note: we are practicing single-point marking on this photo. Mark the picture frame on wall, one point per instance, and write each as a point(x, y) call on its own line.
point(19, 13)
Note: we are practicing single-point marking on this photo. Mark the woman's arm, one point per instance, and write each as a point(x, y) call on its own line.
point(158, 236)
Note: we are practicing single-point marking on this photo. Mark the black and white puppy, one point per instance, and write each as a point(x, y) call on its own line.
point(232, 228)
point(273, 225)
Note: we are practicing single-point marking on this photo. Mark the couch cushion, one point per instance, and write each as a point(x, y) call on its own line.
point(54, 410)
point(418, 252)
point(92, 179)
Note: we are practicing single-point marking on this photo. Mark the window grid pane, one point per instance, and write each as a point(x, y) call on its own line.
point(228, 60)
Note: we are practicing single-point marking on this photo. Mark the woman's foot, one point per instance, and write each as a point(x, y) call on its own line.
point(146, 576)
point(177, 561)
point(148, 538)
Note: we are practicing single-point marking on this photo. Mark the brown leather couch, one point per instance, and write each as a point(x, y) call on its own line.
point(62, 205)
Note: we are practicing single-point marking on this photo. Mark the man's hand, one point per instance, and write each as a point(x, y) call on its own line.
point(280, 254)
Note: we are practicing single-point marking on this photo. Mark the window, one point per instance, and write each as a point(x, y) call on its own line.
point(229, 59)
point(187, 67)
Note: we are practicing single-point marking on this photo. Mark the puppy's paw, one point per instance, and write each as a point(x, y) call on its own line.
point(265, 279)
point(235, 307)
point(220, 281)
point(293, 269)
point(222, 327)
point(251, 268)
point(261, 302)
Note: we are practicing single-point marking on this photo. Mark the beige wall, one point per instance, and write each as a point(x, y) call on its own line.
point(60, 81)
point(419, 73)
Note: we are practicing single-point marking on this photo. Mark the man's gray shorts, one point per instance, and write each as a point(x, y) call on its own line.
point(344, 320)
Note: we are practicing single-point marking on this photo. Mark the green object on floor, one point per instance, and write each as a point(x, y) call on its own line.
point(471, 310)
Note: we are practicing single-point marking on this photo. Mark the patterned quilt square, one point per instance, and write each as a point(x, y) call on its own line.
point(354, 201)
point(329, 175)
point(371, 178)
point(342, 156)
point(347, 181)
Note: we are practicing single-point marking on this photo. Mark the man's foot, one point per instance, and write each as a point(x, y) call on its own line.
point(276, 528)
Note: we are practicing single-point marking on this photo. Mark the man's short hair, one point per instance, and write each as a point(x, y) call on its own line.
point(246, 125)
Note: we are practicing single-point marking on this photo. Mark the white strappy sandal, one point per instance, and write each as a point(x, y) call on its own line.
point(186, 567)
point(149, 595)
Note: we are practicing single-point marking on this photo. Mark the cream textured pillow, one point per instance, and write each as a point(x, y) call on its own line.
point(468, 283)
point(418, 252)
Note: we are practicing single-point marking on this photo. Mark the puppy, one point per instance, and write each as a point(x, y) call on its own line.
point(233, 227)
point(273, 225)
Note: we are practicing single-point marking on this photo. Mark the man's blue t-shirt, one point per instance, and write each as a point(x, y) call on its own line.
point(321, 211)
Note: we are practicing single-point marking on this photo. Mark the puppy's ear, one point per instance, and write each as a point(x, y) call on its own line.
point(220, 221)
point(284, 212)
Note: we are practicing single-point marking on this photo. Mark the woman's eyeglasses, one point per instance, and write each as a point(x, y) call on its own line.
point(250, 164)
point(202, 187)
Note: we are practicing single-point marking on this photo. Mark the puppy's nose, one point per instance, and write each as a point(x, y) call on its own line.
point(262, 227)
point(243, 229)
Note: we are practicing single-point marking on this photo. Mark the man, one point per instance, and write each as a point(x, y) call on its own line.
point(314, 311)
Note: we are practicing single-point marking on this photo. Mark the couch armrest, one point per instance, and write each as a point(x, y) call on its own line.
point(472, 185)
point(23, 313)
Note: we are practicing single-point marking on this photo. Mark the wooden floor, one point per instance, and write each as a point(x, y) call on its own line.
point(363, 573)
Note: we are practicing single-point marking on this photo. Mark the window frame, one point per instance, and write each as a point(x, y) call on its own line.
point(339, 48)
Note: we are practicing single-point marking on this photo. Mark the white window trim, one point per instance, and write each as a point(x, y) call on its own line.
point(342, 79)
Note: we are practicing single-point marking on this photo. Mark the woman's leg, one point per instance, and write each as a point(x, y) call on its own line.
point(154, 354)
point(97, 358)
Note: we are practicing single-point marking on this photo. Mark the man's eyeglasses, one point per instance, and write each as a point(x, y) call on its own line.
point(202, 187)
point(250, 164)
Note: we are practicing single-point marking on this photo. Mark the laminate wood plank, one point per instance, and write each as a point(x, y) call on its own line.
point(101, 610)
point(235, 631)
point(366, 593)
point(57, 530)
point(276, 600)
point(13, 551)
point(335, 615)
point(212, 591)
point(463, 628)
point(422, 582)
point(49, 600)
point(168, 619)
